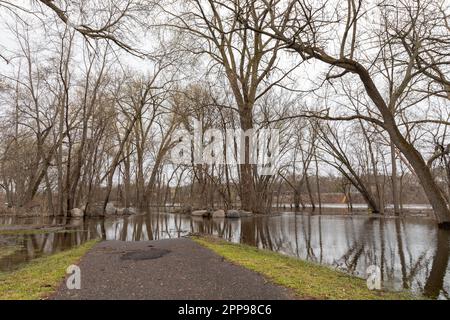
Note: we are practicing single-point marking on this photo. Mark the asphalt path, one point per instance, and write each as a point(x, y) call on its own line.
point(165, 269)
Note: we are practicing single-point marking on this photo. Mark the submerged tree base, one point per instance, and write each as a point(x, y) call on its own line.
point(444, 225)
point(308, 280)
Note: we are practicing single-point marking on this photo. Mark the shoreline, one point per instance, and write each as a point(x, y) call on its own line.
point(296, 278)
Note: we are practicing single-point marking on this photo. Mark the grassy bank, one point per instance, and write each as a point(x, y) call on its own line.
point(40, 277)
point(306, 279)
point(21, 230)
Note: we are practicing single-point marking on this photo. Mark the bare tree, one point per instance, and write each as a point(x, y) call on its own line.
point(248, 60)
point(303, 26)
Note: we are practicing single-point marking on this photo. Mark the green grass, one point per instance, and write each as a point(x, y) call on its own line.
point(306, 279)
point(40, 277)
point(30, 231)
point(19, 232)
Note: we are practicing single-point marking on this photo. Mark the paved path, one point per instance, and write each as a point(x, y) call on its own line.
point(165, 269)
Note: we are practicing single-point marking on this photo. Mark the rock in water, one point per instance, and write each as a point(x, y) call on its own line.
point(219, 214)
point(244, 213)
point(75, 222)
point(95, 210)
point(110, 209)
point(185, 210)
point(233, 214)
point(200, 213)
point(129, 211)
point(76, 213)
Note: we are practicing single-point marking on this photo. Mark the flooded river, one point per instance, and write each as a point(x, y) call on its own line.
point(411, 253)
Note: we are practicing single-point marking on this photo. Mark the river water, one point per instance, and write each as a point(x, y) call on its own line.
point(411, 253)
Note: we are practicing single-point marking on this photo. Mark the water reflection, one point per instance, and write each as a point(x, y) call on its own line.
point(412, 254)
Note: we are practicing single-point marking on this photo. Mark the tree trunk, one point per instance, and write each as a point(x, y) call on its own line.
point(394, 182)
point(435, 280)
point(127, 181)
point(432, 190)
point(248, 201)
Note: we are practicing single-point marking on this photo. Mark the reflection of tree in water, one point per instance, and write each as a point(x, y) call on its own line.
point(249, 230)
point(148, 226)
point(401, 254)
point(435, 282)
point(320, 238)
point(265, 238)
point(404, 251)
point(356, 247)
point(124, 231)
point(36, 245)
point(410, 265)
